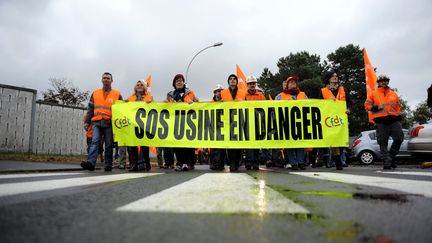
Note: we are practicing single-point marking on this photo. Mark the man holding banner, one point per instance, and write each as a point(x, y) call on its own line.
point(385, 107)
point(252, 155)
point(334, 91)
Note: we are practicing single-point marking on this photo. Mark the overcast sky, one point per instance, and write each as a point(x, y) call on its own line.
point(80, 39)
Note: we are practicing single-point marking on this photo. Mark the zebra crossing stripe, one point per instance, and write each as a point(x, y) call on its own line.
point(404, 185)
point(217, 193)
point(28, 175)
point(8, 189)
point(416, 173)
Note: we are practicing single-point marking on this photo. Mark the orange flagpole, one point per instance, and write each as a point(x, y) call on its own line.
point(270, 98)
point(371, 78)
point(241, 78)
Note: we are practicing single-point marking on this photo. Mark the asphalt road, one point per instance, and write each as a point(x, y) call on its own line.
point(359, 204)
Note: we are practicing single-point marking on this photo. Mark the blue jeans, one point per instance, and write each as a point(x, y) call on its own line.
point(296, 156)
point(107, 133)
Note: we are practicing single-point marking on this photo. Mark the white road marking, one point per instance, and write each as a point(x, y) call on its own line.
point(29, 175)
point(8, 189)
point(217, 193)
point(407, 186)
point(417, 173)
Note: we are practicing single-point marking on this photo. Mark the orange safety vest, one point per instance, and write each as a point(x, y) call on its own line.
point(146, 97)
point(300, 96)
point(256, 96)
point(328, 94)
point(89, 131)
point(226, 95)
point(102, 104)
point(386, 97)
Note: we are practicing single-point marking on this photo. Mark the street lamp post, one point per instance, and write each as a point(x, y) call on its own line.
point(214, 45)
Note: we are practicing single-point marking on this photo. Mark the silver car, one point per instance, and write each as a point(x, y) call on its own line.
point(420, 143)
point(365, 147)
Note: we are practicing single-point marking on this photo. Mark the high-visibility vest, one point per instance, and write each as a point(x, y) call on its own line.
point(146, 97)
point(386, 97)
point(300, 96)
point(258, 95)
point(102, 105)
point(226, 95)
point(328, 94)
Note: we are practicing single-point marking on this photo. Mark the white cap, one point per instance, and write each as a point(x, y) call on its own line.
point(251, 79)
point(218, 87)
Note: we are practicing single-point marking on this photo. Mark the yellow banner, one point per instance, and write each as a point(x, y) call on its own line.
point(248, 124)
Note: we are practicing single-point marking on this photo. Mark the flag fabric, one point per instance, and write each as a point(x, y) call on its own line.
point(148, 81)
point(371, 78)
point(153, 150)
point(241, 78)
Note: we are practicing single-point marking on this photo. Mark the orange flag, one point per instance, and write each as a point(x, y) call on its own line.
point(148, 81)
point(241, 78)
point(371, 78)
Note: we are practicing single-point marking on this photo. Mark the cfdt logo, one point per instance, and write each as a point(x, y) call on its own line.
point(122, 122)
point(334, 121)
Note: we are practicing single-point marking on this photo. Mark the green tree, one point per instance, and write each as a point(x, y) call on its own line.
point(422, 113)
point(406, 113)
point(348, 62)
point(64, 93)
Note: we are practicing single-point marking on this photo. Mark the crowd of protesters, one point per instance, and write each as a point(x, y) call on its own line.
point(383, 104)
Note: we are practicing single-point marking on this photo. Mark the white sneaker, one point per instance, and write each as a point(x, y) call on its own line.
point(287, 166)
point(185, 167)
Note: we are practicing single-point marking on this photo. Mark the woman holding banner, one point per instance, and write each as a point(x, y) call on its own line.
point(292, 92)
point(140, 94)
point(185, 156)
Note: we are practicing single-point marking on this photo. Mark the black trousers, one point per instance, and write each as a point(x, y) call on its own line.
point(234, 157)
point(134, 157)
point(185, 156)
point(384, 131)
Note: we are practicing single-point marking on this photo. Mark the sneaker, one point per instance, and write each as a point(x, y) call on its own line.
point(287, 166)
point(108, 169)
point(302, 167)
point(294, 167)
point(147, 166)
point(255, 167)
point(233, 169)
point(269, 163)
point(87, 166)
point(339, 167)
point(122, 167)
point(133, 168)
point(387, 166)
point(178, 168)
point(184, 167)
point(192, 167)
point(141, 167)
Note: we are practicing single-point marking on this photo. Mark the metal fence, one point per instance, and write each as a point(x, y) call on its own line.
point(27, 125)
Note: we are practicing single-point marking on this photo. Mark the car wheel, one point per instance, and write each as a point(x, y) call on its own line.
point(366, 157)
